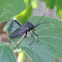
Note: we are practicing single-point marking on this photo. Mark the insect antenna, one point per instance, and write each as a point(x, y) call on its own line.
point(42, 18)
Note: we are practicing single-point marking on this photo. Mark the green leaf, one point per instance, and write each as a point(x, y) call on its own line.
point(10, 8)
point(59, 13)
point(27, 1)
point(50, 34)
point(35, 3)
point(59, 8)
point(24, 16)
point(50, 3)
point(6, 54)
point(21, 56)
point(39, 52)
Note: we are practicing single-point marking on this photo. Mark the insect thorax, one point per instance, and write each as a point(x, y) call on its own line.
point(30, 25)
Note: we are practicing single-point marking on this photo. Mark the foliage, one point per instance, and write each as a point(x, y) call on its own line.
point(9, 8)
point(55, 3)
point(24, 16)
point(4, 53)
point(49, 43)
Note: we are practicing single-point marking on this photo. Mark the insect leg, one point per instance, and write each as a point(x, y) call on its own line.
point(12, 23)
point(33, 38)
point(25, 35)
point(21, 39)
point(36, 35)
point(17, 22)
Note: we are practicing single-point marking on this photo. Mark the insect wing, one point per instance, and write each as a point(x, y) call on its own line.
point(19, 32)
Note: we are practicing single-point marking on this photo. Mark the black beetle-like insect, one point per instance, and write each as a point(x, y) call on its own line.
point(23, 29)
point(27, 27)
